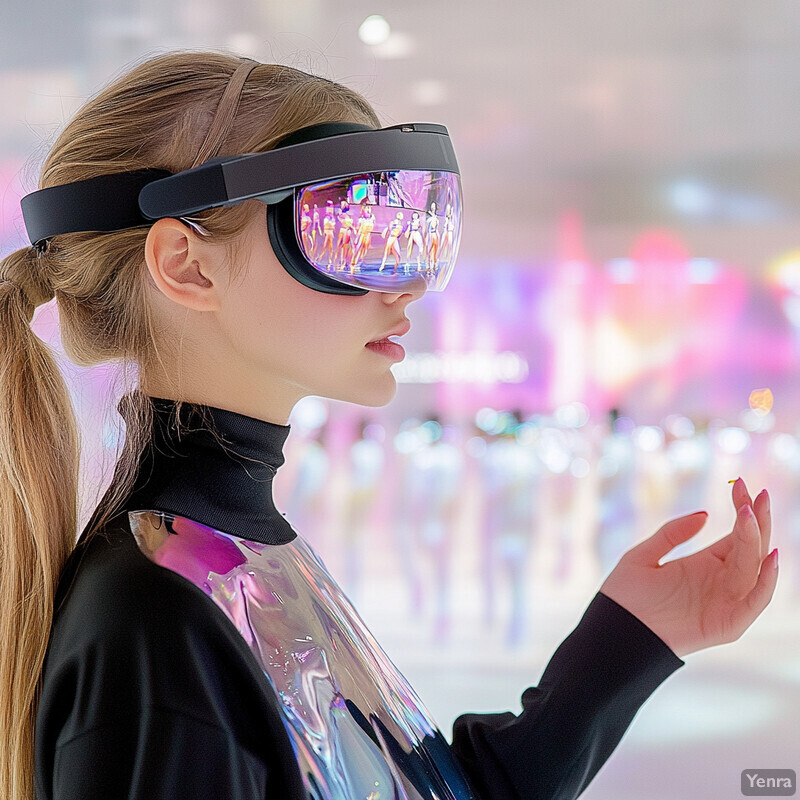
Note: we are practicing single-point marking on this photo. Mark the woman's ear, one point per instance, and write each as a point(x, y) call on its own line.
point(182, 266)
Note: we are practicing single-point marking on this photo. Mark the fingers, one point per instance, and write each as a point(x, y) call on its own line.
point(761, 507)
point(758, 598)
point(743, 561)
point(740, 494)
point(763, 513)
point(667, 537)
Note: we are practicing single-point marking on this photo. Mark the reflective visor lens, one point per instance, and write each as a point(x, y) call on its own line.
point(386, 232)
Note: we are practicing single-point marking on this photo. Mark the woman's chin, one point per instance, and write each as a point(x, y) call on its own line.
point(375, 393)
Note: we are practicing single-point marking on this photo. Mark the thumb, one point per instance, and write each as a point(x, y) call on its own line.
point(667, 537)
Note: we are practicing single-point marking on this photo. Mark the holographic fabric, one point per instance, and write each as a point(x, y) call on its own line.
point(358, 729)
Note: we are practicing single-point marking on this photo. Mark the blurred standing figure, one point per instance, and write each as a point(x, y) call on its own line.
point(434, 480)
point(511, 472)
point(306, 500)
point(366, 469)
point(616, 525)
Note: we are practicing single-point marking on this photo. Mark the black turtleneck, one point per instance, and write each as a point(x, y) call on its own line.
point(216, 468)
point(149, 691)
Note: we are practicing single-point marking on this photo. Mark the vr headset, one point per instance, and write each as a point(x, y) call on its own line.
point(350, 209)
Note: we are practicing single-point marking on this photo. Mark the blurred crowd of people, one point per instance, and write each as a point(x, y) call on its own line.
point(540, 501)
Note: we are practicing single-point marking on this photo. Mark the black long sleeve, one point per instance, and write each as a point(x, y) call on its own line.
point(571, 722)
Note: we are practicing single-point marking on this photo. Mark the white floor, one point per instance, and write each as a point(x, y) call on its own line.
point(730, 708)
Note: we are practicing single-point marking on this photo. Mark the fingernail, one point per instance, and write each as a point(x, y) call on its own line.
point(767, 501)
point(774, 556)
point(733, 480)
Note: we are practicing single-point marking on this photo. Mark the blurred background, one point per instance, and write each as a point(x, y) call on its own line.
point(620, 339)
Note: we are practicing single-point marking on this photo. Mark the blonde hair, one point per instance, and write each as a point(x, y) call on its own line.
point(158, 115)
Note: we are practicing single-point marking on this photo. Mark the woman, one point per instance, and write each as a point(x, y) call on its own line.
point(393, 230)
point(414, 238)
point(432, 237)
point(329, 228)
point(196, 646)
point(344, 244)
point(363, 235)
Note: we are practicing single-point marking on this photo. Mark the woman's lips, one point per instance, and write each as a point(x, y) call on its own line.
point(385, 347)
point(389, 349)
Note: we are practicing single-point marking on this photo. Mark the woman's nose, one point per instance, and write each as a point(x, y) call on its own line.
point(391, 298)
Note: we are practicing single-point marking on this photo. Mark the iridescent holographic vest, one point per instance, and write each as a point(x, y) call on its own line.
point(358, 730)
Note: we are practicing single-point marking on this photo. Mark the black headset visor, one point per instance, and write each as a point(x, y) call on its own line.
point(324, 152)
point(123, 200)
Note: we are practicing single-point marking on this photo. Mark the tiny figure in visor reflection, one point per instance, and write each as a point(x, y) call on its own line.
point(448, 238)
point(316, 229)
point(366, 224)
point(394, 229)
point(328, 233)
point(432, 238)
point(414, 239)
point(306, 229)
point(233, 664)
point(344, 244)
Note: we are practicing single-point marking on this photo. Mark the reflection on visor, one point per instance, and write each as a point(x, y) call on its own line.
point(386, 232)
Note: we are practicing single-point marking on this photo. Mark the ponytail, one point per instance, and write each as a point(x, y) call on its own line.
point(39, 457)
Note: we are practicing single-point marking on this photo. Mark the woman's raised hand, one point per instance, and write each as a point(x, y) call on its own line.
point(707, 598)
